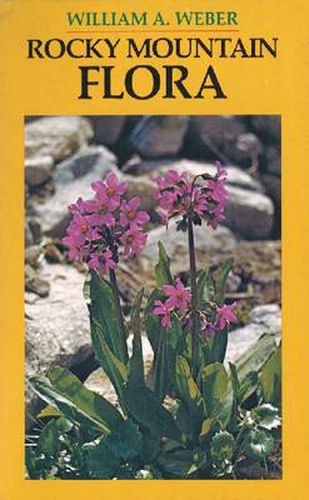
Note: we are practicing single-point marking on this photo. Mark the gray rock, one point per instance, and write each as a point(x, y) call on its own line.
point(38, 170)
point(273, 160)
point(233, 283)
point(28, 237)
point(35, 283)
point(83, 162)
point(269, 316)
point(143, 187)
point(56, 136)
point(216, 135)
point(268, 126)
point(33, 254)
point(272, 185)
point(52, 253)
point(57, 327)
point(249, 214)
point(99, 383)
point(265, 319)
point(247, 148)
point(107, 129)
point(73, 180)
point(157, 136)
point(35, 229)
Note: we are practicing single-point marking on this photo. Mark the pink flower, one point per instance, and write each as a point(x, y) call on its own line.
point(163, 217)
point(208, 330)
point(217, 195)
point(133, 241)
point(224, 316)
point(171, 178)
point(130, 213)
point(164, 309)
point(98, 227)
point(102, 219)
point(203, 197)
point(179, 299)
point(82, 206)
point(79, 233)
point(102, 263)
point(199, 202)
point(179, 292)
point(110, 189)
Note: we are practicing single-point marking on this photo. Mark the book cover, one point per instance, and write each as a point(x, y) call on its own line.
point(152, 173)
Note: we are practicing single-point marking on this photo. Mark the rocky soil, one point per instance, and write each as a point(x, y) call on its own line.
point(63, 155)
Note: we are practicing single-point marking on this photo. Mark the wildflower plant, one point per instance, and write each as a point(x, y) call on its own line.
point(196, 417)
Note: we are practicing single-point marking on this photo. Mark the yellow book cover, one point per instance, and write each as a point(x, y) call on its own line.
point(153, 165)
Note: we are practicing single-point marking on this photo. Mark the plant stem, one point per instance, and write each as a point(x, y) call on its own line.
point(158, 355)
point(194, 300)
point(119, 314)
point(265, 465)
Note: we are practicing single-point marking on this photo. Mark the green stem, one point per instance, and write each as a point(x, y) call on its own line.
point(158, 354)
point(265, 465)
point(194, 300)
point(119, 314)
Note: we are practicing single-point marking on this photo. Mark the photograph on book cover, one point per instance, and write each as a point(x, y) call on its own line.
point(153, 297)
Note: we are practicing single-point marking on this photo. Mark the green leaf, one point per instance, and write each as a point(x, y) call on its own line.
point(113, 366)
point(151, 447)
point(162, 269)
point(153, 323)
point(248, 386)
point(184, 422)
point(189, 393)
point(216, 347)
point(48, 412)
point(33, 464)
point(63, 425)
point(147, 410)
point(102, 463)
point(222, 447)
point(165, 360)
point(165, 344)
point(235, 382)
point(180, 463)
point(256, 356)
point(49, 442)
point(204, 286)
point(258, 444)
point(220, 278)
point(103, 310)
point(206, 428)
point(270, 378)
point(215, 389)
point(266, 416)
point(126, 440)
point(136, 364)
point(63, 390)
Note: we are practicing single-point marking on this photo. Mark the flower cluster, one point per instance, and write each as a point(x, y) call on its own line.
point(217, 318)
point(178, 300)
point(223, 316)
point(103, 224)
point(201, 197)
